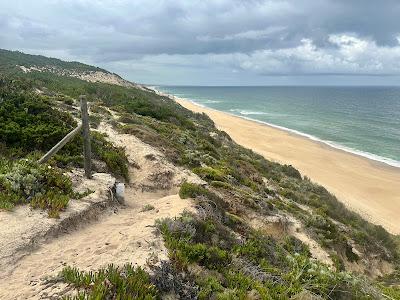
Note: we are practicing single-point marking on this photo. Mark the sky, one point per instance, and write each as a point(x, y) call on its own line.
point(221, 42)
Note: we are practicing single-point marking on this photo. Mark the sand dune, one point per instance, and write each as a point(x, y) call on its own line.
point(368, 187)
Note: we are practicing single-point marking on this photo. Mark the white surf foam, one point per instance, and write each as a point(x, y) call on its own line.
point(242, 114)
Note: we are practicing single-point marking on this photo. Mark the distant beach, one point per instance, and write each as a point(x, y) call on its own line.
point(369, 187)
point(360, 120)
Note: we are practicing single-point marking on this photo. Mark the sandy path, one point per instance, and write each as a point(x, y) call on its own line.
point(368, 187)
point(125, 235)
point(119, 238)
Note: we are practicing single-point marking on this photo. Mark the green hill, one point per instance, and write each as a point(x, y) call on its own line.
point(10, 60)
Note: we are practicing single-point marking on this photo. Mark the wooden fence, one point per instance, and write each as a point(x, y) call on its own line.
point(84, 126)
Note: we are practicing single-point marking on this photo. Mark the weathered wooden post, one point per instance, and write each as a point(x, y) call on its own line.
point(86, 137)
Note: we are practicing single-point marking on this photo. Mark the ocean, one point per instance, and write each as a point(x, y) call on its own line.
point(360, 120)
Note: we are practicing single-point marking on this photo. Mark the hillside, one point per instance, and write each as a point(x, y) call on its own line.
point(253, 228)
point(15, 63)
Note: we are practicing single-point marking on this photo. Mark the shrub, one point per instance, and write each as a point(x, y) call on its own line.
point(294, 245)
point(147, 207)
point(191, 190)
point(221, 184)
point(209, 286)
point(259, 249)
point(181, 238)
point(41, 185)
point(53, 201)
point(113, 282)
point(390, 292)
point(238, 284)
point(68, 101)
point(317, 278)
point(28, 121)
point(167, 280)
point(209, 174)
point(94, 120)
point(114, 157)
point(98, 109)
point(290, 171)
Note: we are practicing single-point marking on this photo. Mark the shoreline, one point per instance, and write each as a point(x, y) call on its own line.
point(383, 162)
point(374, 158)
point(366, 186)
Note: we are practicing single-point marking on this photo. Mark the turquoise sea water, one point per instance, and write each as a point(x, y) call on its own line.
point(361, 120)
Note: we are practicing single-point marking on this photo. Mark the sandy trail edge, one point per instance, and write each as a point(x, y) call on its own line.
point(118, 238)
point(370, 188)
point(125, 235)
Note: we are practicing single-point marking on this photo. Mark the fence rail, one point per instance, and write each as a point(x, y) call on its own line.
point(60, 144)
point(86, 140)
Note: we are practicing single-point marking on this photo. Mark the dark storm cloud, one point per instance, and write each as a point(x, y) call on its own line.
point(376, 19)
point(260, 37)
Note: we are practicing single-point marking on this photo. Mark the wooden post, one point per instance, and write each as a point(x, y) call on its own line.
point(86, 137)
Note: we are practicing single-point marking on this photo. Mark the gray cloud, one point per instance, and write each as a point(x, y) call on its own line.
point(211, 39)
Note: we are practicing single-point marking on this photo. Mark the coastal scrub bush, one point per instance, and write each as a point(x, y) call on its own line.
point(99, 109)
point(113, 282)
point(68, 101)
point(289, 170)
point(209, 174)
point(52, 201)
point(259, 266)
point(95, 120)
point(41, 185)
point(211, 257)
point(168, 280)
point(179, 239)
point(260, 249)
point(114, 157)
point(209, 287)
point(373, 238)
point(191, 190)
point(28, 122)
point(317, 278)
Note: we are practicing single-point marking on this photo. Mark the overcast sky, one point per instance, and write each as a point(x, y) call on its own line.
point(221, 42)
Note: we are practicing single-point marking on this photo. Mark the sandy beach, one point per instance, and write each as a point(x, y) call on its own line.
point(370, 188)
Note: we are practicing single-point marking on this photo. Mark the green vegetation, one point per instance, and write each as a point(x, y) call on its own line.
point(9, 60)
point(147, 207)
point(127, 282)
point(190, 190)
point(31, 122)
point(370, 237)
point(114, 157)
point(259, 266)
point(28, 121)
point(43, 186)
